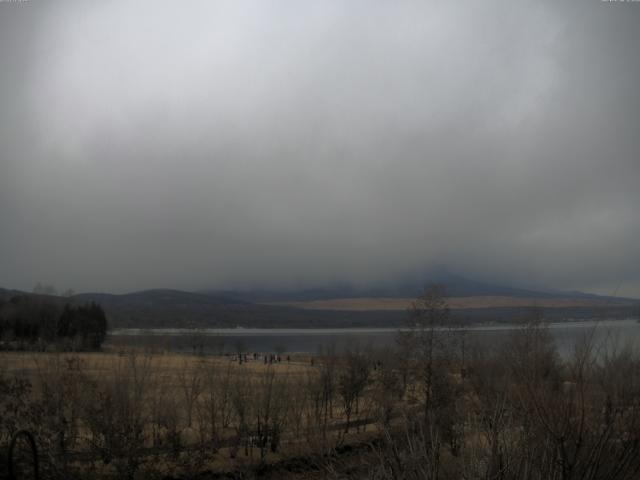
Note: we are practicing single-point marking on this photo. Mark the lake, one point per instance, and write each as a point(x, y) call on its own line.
point(230, 340)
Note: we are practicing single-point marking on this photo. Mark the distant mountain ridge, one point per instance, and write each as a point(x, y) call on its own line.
point(161, 297)
point(169, 308)
point(455, 286)
point(6, 293)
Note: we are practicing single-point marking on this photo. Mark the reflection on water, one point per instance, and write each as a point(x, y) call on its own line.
point(615, 333)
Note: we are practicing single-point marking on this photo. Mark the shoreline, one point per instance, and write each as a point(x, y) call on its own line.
point(311, 331)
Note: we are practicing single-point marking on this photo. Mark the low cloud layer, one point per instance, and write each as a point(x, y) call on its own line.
point(276, 144)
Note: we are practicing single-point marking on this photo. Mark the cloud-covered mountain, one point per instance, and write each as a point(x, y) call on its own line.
point(282, 145)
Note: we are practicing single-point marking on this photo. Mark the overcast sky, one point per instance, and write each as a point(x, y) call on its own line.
point(212, 144)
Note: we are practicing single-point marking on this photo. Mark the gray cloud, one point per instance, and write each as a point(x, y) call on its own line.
point(225, 144)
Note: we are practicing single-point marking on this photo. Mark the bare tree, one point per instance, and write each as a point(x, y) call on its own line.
point(352, 380)
point(190, 383)
point(428, 344)
point(116, 414)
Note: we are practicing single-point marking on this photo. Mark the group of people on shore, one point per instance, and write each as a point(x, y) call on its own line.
point(267, 358)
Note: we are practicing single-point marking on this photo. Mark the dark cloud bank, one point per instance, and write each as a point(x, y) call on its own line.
point(238, 144)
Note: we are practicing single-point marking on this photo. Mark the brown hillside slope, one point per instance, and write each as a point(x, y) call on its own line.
point(386, 303)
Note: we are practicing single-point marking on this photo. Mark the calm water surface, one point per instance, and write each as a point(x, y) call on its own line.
point(619, 333)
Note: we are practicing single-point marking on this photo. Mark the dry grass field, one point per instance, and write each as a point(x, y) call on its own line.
point(123, 413)
point(170, 365)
